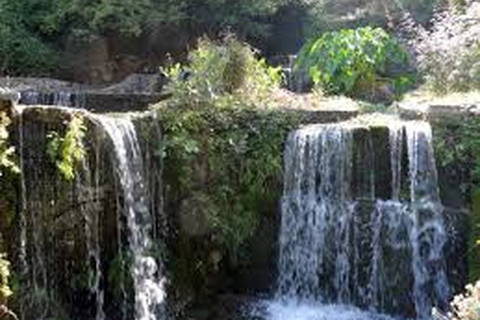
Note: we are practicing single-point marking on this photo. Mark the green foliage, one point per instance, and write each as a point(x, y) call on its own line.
point(84, 280)
point(331, 15)
point(229, 159)
point(68, 151)
point(457, 151)
point(351, 61)
point(247, 17)
point(223, 70)
point(34, 32)
point(21, 50)
point(8, 167)
point(7, 152)
point(459, 142)
point(448, 53)
point(224, 142)
point(119, 275)
point(5, 291)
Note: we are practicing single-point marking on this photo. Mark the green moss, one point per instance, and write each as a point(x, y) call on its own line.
point(222, 151)
point(231, 159)
point(84, 280)
point(119, 273)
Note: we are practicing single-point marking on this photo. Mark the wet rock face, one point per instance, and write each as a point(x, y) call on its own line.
point(64, 221)
point(70, 247)
point(54, 219)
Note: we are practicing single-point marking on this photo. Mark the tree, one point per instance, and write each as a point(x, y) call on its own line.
point(34, 31)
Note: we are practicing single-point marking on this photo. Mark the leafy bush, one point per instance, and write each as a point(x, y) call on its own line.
point(228, 162)
point(448, 54)
point(22, 51)
point(34, 32)
point(354, 61)
point(228, 68)
point(223, 144)
point(66, 152)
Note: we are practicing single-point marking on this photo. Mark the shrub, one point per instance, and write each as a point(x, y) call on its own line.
point(228, 68)
point(354, 61)
point(22, 51)
point(223, 145)
point(227, 164)
point(448, 54)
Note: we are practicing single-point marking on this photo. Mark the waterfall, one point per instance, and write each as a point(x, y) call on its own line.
point(146, 273)
point(87, 197)
point(22, 225)
point(349, 236)
point(58, 98)
point(428, 232)
point(85, 246)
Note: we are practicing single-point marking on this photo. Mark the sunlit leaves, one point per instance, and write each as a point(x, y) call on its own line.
point(7, 152)
point(224, 70)
point(448, 52)
point(340, 61)
point(68, 151)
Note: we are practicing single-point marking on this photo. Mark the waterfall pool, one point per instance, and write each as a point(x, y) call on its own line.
point(293, 310)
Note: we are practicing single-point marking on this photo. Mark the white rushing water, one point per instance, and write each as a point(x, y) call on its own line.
point(428, 233)
point(342, 244)
point(146, 273)
point(87, 194)
point(290, 310)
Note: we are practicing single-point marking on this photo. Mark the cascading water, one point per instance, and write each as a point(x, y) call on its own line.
point(59, 98)
point(146, 273)
point(82, 254)
point(428, 233)
point(86, 196)
point(349, 238)
point(50, 230)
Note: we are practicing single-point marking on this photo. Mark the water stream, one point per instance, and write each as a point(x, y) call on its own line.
point(147, 274)
point(352, 246)
point(362, 230)
point(70, 243)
